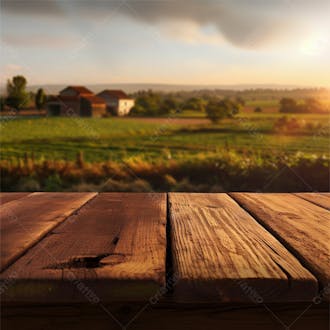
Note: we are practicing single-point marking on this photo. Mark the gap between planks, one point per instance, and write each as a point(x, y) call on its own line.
point(319, 199)
point(288, 218)
point(217, 246)
point(169, 228)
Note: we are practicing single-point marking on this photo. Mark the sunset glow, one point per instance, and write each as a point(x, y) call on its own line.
point(189, 42)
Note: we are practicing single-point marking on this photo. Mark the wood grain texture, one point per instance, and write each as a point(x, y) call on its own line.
point(221, 253)
point(26, 220)
point(320, 199)
point(301, 225)
point(114, 248)
point(11, 196)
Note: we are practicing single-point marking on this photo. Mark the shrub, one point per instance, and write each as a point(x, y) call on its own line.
point(169, 181)
point(53, 183)
point(287, 125)
point(218, 171)
point(28, 184)
point(135, 186)
point(85, 187)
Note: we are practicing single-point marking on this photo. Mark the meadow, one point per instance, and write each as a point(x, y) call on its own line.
point(174, 153)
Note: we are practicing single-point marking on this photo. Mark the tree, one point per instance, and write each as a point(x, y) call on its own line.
point(40, 99)
point(310, 105)
point(17, 96)
point(2, 103)
point(196, 104)
point(313, 105)
point(149, 103)
point(258, 109)
point(168, 104)
point(240, 101)
point(288, 105)
point(217, 110)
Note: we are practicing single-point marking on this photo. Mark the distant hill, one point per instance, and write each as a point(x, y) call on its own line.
point(132, 87)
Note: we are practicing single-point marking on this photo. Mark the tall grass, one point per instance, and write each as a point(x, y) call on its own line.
point(207, 172)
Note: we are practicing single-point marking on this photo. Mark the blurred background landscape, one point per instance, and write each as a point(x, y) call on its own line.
point(215, 104)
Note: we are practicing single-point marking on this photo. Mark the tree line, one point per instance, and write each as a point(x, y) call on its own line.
point(18, 97)
point(150, 103)
point(215, 107)
point(216, 104)
point(309, 105)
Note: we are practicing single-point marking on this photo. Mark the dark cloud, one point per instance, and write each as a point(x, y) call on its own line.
point(245, 23)
point(32, 7)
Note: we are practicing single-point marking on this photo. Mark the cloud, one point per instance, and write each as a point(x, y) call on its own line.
point(243, 23)
point(32, 7)
point(247, 24)
point(39, 40)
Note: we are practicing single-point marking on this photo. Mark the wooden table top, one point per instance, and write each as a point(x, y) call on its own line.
point(208, 248)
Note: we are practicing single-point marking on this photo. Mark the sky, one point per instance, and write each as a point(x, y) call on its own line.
point(199, 42)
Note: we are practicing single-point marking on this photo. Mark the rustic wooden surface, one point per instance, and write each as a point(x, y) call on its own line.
point(302, 226)
point(26, 220)
point(295, 316)
point(188, 261)
point(8, 197)
point(115, 246)
point(320, 199)
point(221, 252)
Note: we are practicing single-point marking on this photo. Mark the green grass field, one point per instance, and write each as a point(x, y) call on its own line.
point(117, 138)
point(165, 154)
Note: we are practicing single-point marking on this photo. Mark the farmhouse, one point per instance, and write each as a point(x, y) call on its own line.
point(118, 103)
point(76, 91)
point(78, 101)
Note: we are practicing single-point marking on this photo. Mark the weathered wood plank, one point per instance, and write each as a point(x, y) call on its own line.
point(221, 253)
point(114, 248)
point(294, 316)
point(320, 199)
point(26, 220)
point(301, 225)
point(11, 196)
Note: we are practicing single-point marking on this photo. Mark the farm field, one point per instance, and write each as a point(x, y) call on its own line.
point(163, 154)
point(152, 138)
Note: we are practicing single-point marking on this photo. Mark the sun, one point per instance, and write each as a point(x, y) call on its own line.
point(315, 46)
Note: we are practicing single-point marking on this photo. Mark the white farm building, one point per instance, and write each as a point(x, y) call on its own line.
point(117, 101)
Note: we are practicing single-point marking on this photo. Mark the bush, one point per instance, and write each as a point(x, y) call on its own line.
point(135, 186)
point(85, 187)
point(53, 183)
point(28, 184)
point(286, 125)
point(169, 181)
